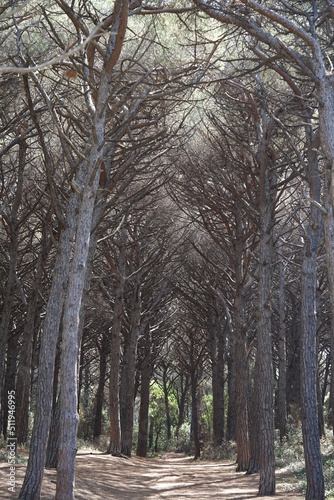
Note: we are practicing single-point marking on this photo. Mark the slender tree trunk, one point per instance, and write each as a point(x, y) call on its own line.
point(293, 360)
point(23, 385)
point(231, 387)
point(321, 420)
point(146, 374)
point(282, 409)
point(313, 461)
point(254, 461)
point(194, 415)
point(11, 280)
point(241, 362)
point(165, 389)
point(12, 353)
point(308, 372)
point(184, 384)
point(217, 352)
point(329, 243)
point(151, 434)
point(267, 195)
point(100, 389)
point(114, 401)
point(128, 372)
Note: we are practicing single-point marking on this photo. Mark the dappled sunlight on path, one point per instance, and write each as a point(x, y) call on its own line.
point(173, 476)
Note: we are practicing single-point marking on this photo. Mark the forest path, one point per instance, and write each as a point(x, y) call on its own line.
point(173, 476)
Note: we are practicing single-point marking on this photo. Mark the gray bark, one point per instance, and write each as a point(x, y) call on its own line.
point(114, 385)
point(311, 441)
point(217, 354)
point(70, 342)
point(129, 370)
point(23, 385)
point(264, 336)
point(31, 487)
point(146, 373)
point(282, 408)
point(13, 224)
point(241, 393)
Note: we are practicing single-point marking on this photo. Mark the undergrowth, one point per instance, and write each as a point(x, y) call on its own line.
point(289, 460)
point(290, 457)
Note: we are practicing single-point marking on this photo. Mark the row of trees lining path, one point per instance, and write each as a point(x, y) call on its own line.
point(167, 173)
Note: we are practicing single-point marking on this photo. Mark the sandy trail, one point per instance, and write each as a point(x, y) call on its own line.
point(173, 476)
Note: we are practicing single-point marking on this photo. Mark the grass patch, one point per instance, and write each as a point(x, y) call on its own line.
point(290, 457)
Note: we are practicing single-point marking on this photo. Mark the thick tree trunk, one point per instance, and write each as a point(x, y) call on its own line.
point(326, 120)
point(78, 271)
point(34, 474)
point(53, 442)
point(69, 417)
point(114, 395)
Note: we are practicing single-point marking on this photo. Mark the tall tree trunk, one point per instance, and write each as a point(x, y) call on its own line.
point(12, 353)
point(114, 396)
point(146, 373)
point(181, 401)
point(264, 339)
point(69, 417)
point(34, 473)
point(78, 271)
point(308, 367)
point(129, 370)
point(194, 415)
point(321, 420)
point(217, 354)
point(241, 362)
point(23, 379)
point(254, 431)
point(166, 399)
point(282, 409)
point(231, 387)
point(151, 433)
point(311, 441)
point(329, 243)
point(51, 461)
point(103, 352)
point(293, 359)
point(13, 224)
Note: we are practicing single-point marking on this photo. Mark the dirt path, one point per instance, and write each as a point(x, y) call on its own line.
point(172, 477)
